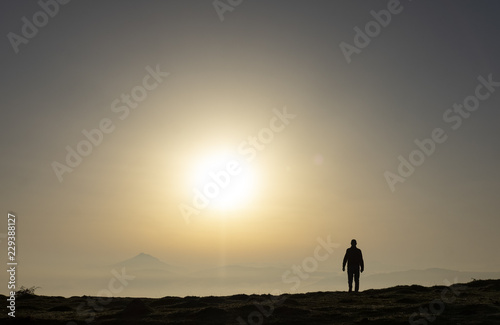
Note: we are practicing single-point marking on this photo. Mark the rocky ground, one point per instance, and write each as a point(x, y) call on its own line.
point(477, 302)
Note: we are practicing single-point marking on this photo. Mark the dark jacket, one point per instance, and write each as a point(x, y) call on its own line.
point(354, 259)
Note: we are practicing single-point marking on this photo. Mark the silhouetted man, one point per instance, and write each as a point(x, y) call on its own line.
point(354, 260)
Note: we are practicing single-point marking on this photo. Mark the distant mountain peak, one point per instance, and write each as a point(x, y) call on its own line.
point(147, 262)
point(144, 255)
point(142, 260)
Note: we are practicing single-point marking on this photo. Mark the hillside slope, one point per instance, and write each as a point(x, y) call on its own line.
point(477, 302)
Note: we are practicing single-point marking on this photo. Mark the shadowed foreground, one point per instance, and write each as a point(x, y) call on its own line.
point(477, 302)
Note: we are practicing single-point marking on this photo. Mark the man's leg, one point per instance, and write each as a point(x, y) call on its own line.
point(356, 280)
point(350, 274)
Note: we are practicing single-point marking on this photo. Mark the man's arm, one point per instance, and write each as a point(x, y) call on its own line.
point(345, 260)
point(362, 264)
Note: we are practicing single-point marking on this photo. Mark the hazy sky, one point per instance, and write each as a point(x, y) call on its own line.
point(320, 172)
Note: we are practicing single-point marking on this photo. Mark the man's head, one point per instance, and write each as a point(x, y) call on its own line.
point(353, 242)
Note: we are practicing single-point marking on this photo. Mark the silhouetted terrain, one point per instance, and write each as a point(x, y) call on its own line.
point(477, 302)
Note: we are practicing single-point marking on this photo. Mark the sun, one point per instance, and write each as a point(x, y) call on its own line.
point(224, 182)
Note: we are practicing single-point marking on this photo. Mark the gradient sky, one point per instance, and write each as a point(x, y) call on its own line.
point(322, 175)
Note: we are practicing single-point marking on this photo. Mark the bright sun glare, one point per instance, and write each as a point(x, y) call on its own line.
point(224, 182)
